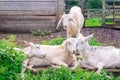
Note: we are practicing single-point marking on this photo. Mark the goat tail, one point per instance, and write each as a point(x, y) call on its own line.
point(17, 49)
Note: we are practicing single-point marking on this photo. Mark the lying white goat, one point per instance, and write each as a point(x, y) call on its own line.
point(56, 55)
point(97, 56)
point(72, 22)
point(34, 50)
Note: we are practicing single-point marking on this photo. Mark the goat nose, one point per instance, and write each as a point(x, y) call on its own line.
point(44, 55)
point(65, 27)
point(76, 50)
point(73, 51)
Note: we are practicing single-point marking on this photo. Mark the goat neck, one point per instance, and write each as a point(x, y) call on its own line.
point(86, 48)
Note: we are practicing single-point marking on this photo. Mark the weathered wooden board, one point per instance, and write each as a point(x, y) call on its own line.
point(27, 6)
point(26, 27)
point(27, 0)
point(27, 21)
point(29, 15)
point(27, 12)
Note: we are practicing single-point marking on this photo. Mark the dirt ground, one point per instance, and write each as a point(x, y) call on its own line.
point(109, 37)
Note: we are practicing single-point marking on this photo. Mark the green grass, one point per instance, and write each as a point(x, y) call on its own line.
point(93, 22)
point(66, 74)
point(96, 22)
point(112, 16)
point(41, 33)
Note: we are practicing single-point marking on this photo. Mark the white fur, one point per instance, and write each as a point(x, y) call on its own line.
point(72, 22)
point(34, 50)
point(98, 56)
point(57, 55)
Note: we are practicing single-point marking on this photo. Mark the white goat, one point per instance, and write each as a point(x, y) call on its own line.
point(97, 56)
point(57, 55)
point(34, 50)
point(72, 22)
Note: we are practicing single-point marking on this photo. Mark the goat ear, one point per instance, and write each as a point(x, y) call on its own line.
point(68, 43)
point(90, 36)
point(63, 12)
point(59, 22)
point(72, 19)
point(31, 44)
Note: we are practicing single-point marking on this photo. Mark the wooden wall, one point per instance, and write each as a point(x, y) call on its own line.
point(29, 15)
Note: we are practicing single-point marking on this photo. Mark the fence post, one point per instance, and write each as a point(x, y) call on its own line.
point(88, 14)
point(83, 3)
point(103, 12)
point(57, 11)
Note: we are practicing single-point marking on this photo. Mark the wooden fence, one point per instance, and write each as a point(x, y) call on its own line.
point(92, 13)
point(29, 15)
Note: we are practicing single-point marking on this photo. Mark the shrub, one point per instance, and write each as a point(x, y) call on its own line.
point(73, 3)
point(94, 4)
point(10, 60)
point(41, 33)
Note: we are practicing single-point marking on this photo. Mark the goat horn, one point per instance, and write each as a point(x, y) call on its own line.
point(59, 23)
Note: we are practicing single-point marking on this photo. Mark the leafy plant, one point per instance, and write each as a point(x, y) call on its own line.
point(66, 74)
point(94, 42)
point(10, 60)
point(41, 32)
point(55, 41)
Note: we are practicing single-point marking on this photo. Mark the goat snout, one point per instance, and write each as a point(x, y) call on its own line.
point(44, 55)
point(74, 52)
point(65, 27)
point(77, 53)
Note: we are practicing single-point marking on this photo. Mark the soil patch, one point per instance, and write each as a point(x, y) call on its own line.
point(109, 37)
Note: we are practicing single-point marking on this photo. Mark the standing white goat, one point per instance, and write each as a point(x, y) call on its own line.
point(72, 22)
point(97, 56)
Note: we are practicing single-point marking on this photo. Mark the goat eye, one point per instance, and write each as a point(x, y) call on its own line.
point(70, 19)
point(69, 43)
point(82, 42)
point(38, 47)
